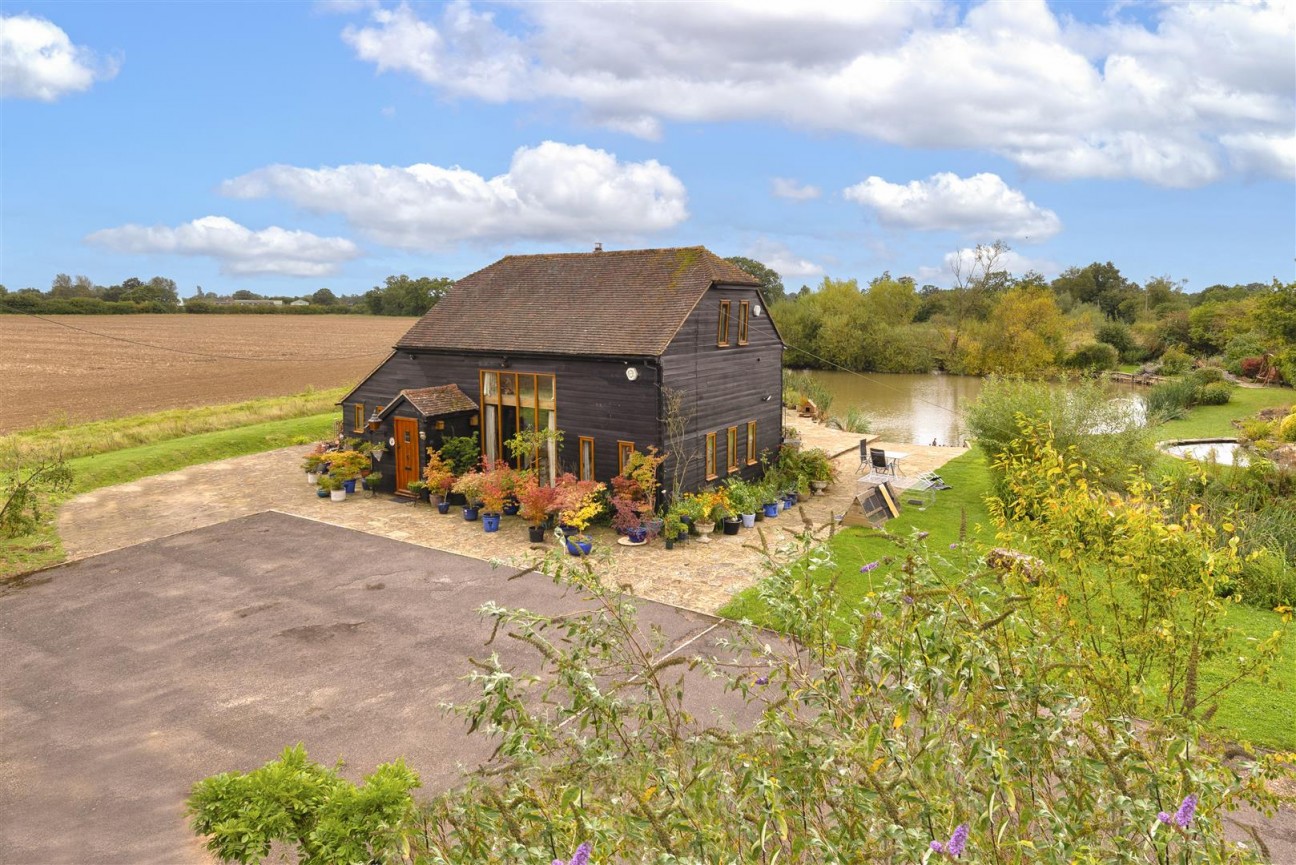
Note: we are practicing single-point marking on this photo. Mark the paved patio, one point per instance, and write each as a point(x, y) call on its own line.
point(696, 576)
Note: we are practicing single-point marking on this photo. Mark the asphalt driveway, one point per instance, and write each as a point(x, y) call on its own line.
point(131, 675)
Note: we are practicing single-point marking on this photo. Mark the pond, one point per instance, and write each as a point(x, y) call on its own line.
point(914, 409)
point(1222, 451)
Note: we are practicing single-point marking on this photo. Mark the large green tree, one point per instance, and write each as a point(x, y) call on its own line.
point(401, 295)
point(771, 282)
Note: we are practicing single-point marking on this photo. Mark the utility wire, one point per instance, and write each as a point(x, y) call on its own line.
point(955, 412)
point(198, 353)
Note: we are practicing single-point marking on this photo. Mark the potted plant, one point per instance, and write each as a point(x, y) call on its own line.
point(372, 481)
point(347, 466)
point(791, 437)
point(673, 529)
point(497, 486)
point(463, 455)
point(469, 485)
point(816, 468)
point(419, 489)
point(580, 506)
point(538, 503)
point(439, 476)
point(742, 499)
point(637, 484)
point(314, 464)
point(335, 486)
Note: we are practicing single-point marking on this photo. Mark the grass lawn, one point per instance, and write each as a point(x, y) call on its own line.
point(1216, 421)
point(1257, 712)
point(18, 555)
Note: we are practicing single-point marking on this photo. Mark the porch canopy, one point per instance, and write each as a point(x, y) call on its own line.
point(432, 402)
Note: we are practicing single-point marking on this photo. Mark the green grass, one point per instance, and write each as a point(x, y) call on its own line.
point(105, 436)
point(1259, 712)
point(1216, 421)
point(43, 548)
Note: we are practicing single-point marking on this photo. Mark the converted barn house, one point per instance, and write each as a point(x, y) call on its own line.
point(620, 350)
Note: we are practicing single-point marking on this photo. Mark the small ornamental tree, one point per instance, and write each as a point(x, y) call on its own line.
point(538, 501)
point(438, 473)
point(27, 484)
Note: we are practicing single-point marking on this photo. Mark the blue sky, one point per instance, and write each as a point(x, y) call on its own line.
point(282, 147)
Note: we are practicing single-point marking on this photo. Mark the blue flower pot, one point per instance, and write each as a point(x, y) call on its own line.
point(349, 486)
point(490, 522)
point(470, 514)
point(322, 493)
point(637, 536)
point(443, 507)
point(579, 545)
point(511, 510)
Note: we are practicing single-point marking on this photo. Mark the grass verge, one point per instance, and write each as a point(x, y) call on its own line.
point(106, 436)
point(1258, 712)
point(43, 548)
point(1216, 421)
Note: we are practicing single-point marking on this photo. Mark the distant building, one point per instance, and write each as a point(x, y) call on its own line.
point(299, 302)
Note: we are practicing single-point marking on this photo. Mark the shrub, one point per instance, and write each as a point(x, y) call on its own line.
point(462, 452)
point(1118, 336)
point(1170, 400)
point(1267, 581)
point(1287, 429)
point(807, 385)
point(1250, 367)
point(1242, 348)
point(1175, 361)
point(1204, 375)
point(1084, 417)
point(1096, 356)
point(1254, 429)
point(1217, 393)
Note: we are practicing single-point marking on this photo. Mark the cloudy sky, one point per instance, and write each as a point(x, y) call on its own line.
point(286, 146)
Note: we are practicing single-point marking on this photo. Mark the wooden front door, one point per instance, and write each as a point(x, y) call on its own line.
point(406, 452)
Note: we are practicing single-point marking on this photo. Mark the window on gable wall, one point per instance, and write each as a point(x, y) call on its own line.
point(722, 328)
point(744, 310)
point(711, 456)
point(731, 449)
point(751, 442)
point(359, 424)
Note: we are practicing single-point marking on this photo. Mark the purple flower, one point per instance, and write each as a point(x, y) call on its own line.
point(957, 841)
point(871, 566)
point(1184, 815)
point(953, 546)
point(952, 848)
point(1164, 817)
point(762, 680)
point(580, 857)
point(922, 536)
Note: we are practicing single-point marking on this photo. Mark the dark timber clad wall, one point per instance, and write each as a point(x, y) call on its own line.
point(593, 397)
point(726, 386)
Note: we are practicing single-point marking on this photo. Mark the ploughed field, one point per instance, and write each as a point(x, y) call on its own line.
point(116, 365)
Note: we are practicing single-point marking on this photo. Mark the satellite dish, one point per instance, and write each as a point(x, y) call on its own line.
point(756, 310)
point(632, 373)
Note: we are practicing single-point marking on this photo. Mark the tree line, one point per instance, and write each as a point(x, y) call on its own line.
point(79, 295)
point(990, 321)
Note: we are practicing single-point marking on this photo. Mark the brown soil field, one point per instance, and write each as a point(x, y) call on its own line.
point(96, 367)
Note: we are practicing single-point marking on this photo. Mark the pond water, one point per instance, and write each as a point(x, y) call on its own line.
point(915, 409)
point(904, 408)
point(1222, 452)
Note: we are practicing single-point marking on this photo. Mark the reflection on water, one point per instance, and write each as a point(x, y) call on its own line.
point(920, 409)
point(904, 408)
point(1226, 453)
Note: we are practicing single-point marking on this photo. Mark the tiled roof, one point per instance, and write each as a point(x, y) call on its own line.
point(607, 303)
point(435, 401)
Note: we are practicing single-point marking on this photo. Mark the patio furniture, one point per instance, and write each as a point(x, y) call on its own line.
point(920, 491)
point(882, 464)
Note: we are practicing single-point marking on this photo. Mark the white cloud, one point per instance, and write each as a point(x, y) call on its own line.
point(555, 192)
point(1062, 98)
point(785, 187)
point(39, 61)
point(981, 205)
point(778, 257)
point(1263, 154)
point(240, 251)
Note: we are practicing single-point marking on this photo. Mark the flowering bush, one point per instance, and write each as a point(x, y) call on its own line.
point(499, 484)
point(708, 505)
point(471, 485)
point(538, 501)
point(347, 465)
point(438, 473)
point(579, 501)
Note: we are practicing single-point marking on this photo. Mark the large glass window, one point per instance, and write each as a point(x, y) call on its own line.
point(514, 402)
